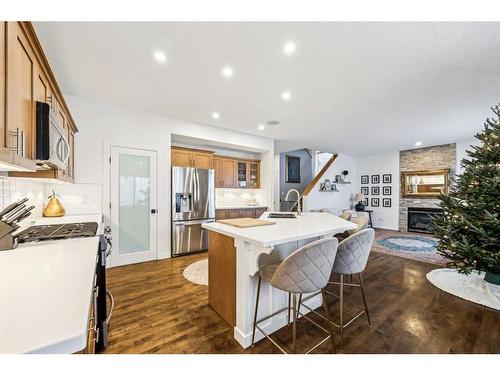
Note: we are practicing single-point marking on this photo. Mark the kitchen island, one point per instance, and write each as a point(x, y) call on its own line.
point(235, 255)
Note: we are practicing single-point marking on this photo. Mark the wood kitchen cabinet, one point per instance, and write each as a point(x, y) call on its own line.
point(225, 172)
point(236, 173)
point(21, 66)
point(185, 157)
point(237, 213)
point(26, 78)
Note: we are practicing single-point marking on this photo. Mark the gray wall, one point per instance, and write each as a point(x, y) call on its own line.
point(306, 172)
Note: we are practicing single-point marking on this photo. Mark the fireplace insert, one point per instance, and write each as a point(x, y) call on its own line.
point(421, 219)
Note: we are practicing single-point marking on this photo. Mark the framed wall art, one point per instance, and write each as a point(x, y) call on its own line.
point(386, 202)
point(387, 178)
point(292, 169)
point(375, 190)
point(365, 179)
point(375, 202)
point(364, 190)
point(386, 190)
point(375, 179)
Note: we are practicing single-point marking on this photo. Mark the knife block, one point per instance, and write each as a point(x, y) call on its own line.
point(7, 240)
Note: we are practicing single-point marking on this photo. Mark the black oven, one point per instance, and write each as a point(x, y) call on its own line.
point(104, 310)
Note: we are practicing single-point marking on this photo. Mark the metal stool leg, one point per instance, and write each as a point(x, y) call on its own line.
point(289, 306)
point(364, 297)
point(341, 311)
point(294, 324)
point(298, 306)
point(327, 314)
point(256, 309)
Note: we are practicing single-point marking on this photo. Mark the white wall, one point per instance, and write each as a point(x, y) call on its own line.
point(462, 147)
point(382, 217)
point(100, 123)
point(331, 200)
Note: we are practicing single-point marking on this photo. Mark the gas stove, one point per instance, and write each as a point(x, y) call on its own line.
point(58, 231)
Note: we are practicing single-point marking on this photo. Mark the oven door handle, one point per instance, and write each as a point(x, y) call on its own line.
point(110, 248)
point(112, 302)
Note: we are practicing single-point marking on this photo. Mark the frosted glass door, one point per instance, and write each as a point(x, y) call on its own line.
point(133, 205)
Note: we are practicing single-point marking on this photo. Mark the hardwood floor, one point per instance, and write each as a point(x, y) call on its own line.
point(158, 311)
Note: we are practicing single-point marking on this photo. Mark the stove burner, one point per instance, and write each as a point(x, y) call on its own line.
point(58, 231)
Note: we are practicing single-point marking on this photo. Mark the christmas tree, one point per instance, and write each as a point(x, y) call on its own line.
point(469, 230)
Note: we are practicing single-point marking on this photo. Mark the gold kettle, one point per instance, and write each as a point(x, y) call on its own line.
point(54, 208)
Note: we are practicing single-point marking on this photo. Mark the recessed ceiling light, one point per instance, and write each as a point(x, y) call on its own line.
point(286, 95)
point(261, 127)
point(160, 56)
point(215, 115)
point(227, 72)
point(289, 48)
point(418, 143)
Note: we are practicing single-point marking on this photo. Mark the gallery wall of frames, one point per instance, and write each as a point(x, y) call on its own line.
point(377, 190)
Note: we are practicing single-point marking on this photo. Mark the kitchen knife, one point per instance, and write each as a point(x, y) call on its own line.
point(20, 214)
point(14, 212)
point(12, 206)
point(21, 218)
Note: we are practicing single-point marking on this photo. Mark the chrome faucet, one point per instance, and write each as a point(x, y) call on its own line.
point(298, 199)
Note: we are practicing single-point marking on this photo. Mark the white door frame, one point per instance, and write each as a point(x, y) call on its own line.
point(106, 193)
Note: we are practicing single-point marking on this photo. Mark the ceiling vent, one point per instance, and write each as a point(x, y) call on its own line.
point(272, 122)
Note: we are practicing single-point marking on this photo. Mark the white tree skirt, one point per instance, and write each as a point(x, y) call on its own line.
point(197, 272)
point(469, 287)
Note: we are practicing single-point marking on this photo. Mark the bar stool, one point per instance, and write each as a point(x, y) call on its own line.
point(306, 270)
point(351, 260)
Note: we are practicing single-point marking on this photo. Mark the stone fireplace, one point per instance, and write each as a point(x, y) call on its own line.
point(422, 159)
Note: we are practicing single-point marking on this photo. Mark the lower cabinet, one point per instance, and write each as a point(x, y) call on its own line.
point(239, 213)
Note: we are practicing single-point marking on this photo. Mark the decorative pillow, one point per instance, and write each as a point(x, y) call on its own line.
point(346, 215)
point(361, 222)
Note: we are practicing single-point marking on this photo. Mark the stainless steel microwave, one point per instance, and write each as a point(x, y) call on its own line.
point(52, 146)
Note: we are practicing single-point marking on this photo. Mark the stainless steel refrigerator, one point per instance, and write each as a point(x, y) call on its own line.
point(193, 203)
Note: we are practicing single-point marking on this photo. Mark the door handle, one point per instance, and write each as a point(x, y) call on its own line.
point(153, 210)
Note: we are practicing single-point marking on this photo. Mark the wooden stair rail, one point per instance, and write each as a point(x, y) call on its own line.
point(316, 178)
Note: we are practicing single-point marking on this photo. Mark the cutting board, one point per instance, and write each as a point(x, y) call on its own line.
point(246, 222)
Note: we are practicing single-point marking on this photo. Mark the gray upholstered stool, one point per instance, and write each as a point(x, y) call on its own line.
point(351, 259)
point(306, 270)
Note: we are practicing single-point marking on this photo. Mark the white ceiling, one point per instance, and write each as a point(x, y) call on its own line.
point(357, 88)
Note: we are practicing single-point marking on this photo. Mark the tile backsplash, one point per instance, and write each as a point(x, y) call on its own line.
point(77, 199)
point(239, 197)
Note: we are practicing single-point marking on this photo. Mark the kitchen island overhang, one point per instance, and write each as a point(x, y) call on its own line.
point(234, 257)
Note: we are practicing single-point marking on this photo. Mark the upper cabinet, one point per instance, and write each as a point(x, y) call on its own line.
point(185, 157)
point(229, 172)
point(26, 78)
point(236, 173)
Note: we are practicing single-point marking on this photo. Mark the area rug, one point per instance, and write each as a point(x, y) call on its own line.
point(416, 247)
point(197, 272)
point(469, 287)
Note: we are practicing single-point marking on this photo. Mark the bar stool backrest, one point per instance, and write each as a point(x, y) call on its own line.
point(353, 252)
point(307, 269)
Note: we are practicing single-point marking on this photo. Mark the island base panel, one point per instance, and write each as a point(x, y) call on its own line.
point(222, 276)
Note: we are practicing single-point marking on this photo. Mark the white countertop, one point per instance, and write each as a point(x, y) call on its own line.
point(308, 225)
point(45, 292)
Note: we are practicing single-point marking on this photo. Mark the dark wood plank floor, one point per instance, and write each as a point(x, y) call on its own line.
point(158, 311)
